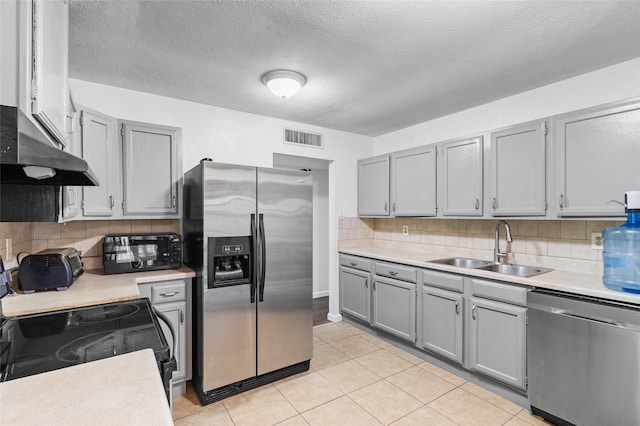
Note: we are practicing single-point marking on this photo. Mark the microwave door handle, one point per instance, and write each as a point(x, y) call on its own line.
point(263, 258)
point(254, 277)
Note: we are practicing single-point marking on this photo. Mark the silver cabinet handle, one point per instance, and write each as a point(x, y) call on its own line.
point(173, 293)
point(354, 263)
point(473, 312)
point(173, 202)
point(386, 205)
point(561, 201)
point(457, 308)
point(374, 286)
point(477, 203)
point(394, 207)
point(181, 316)
point(111, 203)
point(494, 203)
point(393, 273)
point(366, 283)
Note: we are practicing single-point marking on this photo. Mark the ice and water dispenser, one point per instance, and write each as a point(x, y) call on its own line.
point(230, 261)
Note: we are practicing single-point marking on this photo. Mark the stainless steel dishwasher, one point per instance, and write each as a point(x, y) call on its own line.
point(583, 358)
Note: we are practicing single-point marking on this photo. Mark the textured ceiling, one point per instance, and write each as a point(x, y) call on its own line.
point(371, 66)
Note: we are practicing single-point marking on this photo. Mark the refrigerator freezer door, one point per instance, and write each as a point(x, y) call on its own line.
point(228, 334)
point(285, 317)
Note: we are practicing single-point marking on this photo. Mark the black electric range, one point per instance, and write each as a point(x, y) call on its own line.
point(33, 344)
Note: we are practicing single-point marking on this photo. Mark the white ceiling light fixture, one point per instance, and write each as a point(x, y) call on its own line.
point(283, 83)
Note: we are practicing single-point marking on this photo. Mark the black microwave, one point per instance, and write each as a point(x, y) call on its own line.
point(141, 252)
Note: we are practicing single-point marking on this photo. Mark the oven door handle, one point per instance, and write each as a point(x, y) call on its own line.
point(166, 320)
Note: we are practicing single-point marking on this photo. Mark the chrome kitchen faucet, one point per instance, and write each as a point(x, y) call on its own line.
point(498, 256)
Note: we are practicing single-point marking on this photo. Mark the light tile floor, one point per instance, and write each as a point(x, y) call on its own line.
point(358, 379)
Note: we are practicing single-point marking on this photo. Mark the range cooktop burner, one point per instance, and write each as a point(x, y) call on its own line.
point(104, 313)
point(34, 344)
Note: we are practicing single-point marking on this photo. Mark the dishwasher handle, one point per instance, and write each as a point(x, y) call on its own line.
point(605, 321)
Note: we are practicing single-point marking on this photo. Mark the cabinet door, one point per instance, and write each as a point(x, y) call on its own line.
point(49, 88)
point(151, 169)
point(394, 307)
point(442, 322)
point(176, 313)
point(597, 155)
point(373, 186)
point(462, 177)
point(518, 172)
point(413, 182)
point(498, 339)
point(100, 150)
point(355, 299)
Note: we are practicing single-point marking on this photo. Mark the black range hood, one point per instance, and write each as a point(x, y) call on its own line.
point(24, 149)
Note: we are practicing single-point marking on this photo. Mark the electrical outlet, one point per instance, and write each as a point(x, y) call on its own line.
point(596, 241)
point(405, 229)
point(9, 248)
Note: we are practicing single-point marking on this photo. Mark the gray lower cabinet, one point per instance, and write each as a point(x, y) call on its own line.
point(394, 300)
point(173, 299)
point(442, 325)
point(394, 307)
point(497, 332)
point(355, 299)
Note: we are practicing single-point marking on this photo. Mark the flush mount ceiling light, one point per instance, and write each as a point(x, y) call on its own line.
point(283, 83)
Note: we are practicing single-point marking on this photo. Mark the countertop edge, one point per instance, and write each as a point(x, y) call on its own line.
point(570, 282)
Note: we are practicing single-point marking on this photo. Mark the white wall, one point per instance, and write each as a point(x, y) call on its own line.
point(240, 138)
point(609, 84)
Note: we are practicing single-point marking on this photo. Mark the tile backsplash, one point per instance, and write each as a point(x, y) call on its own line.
point(558, 244)
point(86, 236)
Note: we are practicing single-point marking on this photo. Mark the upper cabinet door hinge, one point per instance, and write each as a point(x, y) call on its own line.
point(122, 130)
point(82, 119)
point(544, 127)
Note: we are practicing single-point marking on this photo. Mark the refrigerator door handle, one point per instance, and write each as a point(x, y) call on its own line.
point(263, 258)
point(254, 278)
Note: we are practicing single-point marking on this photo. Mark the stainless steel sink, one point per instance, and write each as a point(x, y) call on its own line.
point(516, 270)
point(461, 262)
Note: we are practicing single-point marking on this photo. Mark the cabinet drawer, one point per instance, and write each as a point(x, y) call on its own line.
point(355, 262)
point(501, 292)
point(397, 272)
point(168, 292)
point(442, 280)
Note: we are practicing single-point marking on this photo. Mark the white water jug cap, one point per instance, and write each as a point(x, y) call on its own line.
point(632, 200)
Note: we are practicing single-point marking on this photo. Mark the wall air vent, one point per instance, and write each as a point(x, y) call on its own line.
point(297, 137)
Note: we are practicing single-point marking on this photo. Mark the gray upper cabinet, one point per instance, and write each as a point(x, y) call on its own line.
point(518, 170)
point(413, 182)
point(151, 169)
point(462, 177)
point(373, 186)
point(597, 157)
point(100, 150)
point(49, 85)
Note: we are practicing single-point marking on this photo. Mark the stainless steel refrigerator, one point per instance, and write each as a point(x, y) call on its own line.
point(248, 235)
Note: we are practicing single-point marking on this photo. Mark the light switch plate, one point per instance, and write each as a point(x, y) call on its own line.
point(596, 241)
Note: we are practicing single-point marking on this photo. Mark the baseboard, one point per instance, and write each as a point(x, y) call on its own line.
point(334, 318)
point(318, 294)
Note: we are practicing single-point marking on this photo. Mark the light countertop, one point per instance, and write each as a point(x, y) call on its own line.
point(91, 288)
point(121, 390)
point(570, 282)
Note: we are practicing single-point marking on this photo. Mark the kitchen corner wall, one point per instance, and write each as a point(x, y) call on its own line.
point(562, 245)
point(85, 236)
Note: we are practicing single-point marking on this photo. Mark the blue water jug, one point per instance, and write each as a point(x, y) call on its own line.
point(621, 252)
